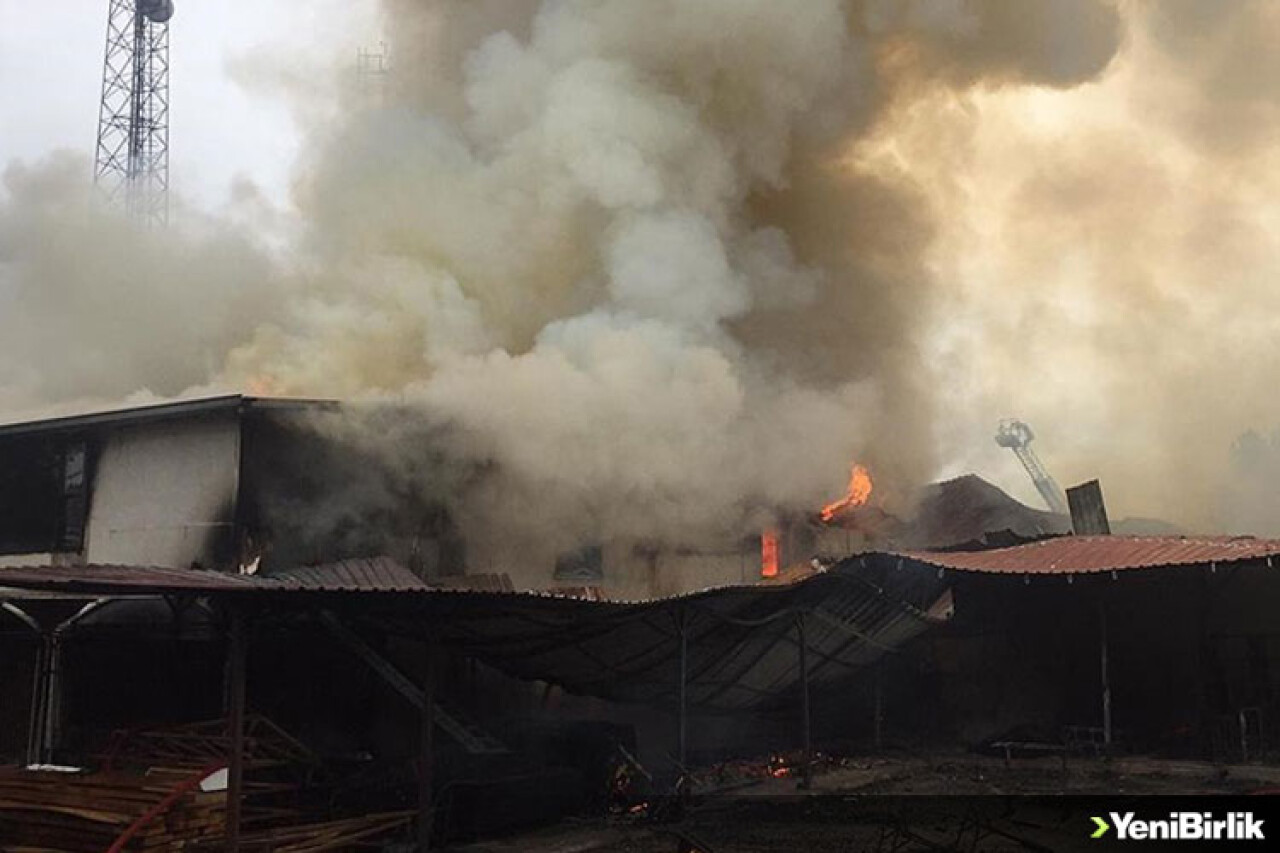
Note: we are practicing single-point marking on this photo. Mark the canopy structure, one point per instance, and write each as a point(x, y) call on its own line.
point(721, 649)
point(737, 647)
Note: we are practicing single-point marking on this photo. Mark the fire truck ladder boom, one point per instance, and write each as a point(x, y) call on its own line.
point(1017, 436)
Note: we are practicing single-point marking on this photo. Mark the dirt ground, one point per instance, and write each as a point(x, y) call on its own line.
point(892, 804)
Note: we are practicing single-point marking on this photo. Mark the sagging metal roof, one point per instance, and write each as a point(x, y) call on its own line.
point(1088, 554)
point(366, 574)
point(741, 644)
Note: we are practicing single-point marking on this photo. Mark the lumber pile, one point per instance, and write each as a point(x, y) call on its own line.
point(74, 812)
point(333, 835)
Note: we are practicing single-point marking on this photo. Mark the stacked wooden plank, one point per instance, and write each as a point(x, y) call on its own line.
point(74, 812)
point(332, 835)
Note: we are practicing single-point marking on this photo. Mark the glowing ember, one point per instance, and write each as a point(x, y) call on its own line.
point(769, 554)
point(857, 494)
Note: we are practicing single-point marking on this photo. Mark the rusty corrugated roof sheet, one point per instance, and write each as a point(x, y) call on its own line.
point(370, 574)
point(493, 582)
point(365, 574)
point(103, 579)
point(1072, 554)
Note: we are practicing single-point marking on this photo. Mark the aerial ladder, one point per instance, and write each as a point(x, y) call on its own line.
point(1017, 436)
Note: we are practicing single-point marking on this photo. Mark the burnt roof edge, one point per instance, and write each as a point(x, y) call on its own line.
point(156, 412)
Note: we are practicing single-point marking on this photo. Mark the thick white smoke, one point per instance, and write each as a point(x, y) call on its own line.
point(629, 262)
point(671, 266)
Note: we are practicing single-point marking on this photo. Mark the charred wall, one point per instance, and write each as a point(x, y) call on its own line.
point(307, 497)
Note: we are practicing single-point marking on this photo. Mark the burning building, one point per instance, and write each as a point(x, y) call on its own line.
point(233, 483)
point(217, 540)
point(254, 484)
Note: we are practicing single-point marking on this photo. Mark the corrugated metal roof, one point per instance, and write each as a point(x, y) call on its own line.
point(741, 641)
point(102, 579)
point(371, 574)
point(1060, 555)
point(367, 574)
point(494, 582)
point(1072, 554)
point(170, 410)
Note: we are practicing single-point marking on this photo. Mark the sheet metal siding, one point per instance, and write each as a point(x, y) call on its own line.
point(163, 494)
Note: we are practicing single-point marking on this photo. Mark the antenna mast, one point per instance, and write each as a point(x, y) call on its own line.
point(132, 161)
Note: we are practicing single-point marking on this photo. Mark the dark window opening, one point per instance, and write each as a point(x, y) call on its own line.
point(584, 564)
point(44, 495)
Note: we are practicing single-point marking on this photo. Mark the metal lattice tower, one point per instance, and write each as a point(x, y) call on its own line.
point(372, 72)
point(132, 162)
point(1017, 436)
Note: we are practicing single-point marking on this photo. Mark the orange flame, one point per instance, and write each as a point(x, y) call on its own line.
point(857, 494)
point(261, 386)
point(769, 554)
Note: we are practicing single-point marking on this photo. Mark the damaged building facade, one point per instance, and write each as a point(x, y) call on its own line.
point(248, 484)
point(179, 575)
point(228, 483)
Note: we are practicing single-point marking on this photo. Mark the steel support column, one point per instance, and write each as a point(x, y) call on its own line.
point(879, 706)
point(237, 660)
point(806, 776)
point(427, 747)
point(682, 723)
point(1106, 676)
point(39, 695)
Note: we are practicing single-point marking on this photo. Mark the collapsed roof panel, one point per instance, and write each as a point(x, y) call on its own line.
point(740, 643)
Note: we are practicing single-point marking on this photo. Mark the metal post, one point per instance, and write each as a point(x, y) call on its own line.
point(1203, 596)
point(52, 698)
point(35, 732)
point(879, 707)
point(237, 657)
point(683, 721)
point(427, 748)
point(1106, 678)
point(806, 779)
